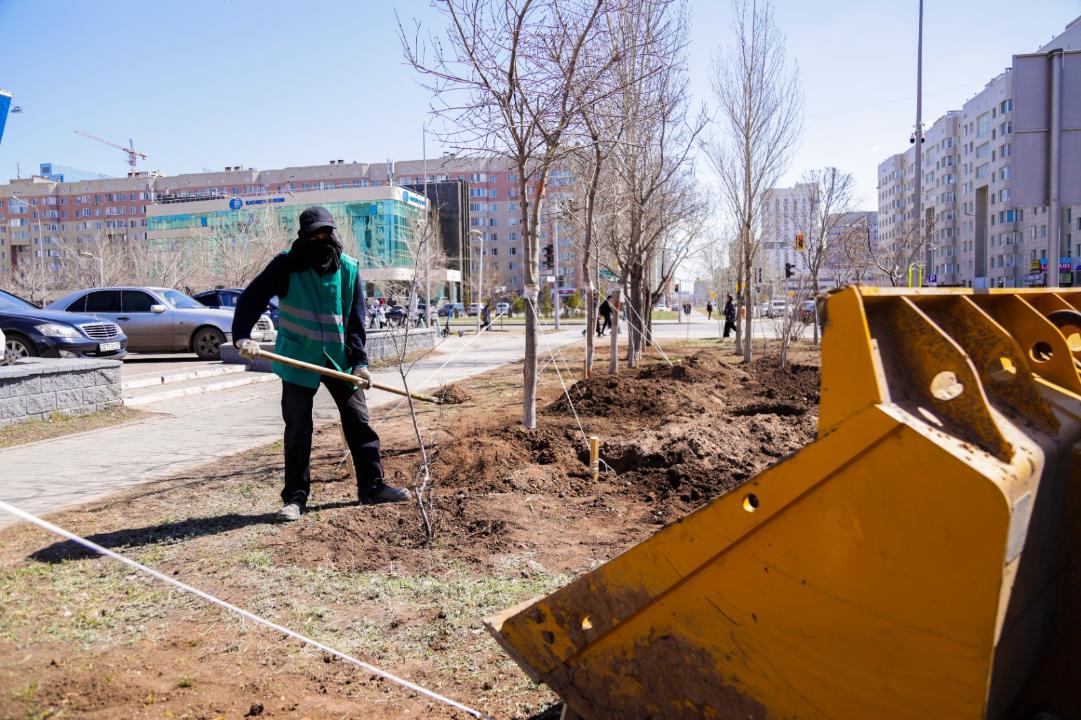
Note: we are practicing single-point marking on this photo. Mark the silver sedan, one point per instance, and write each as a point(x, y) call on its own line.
point(162, 319)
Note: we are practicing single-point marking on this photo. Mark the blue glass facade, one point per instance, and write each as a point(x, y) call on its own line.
point(378, 232)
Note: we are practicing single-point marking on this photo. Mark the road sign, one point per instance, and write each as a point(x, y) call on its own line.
point(932, 279)
point(608, 275)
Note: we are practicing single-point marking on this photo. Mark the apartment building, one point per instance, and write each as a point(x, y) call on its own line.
point(977, 236)
point(783, 210)
point(38, 214)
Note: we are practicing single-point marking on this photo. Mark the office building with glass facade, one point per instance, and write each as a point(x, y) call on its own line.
point(377, 226)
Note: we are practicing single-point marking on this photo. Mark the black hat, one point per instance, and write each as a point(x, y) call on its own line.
point(315, 218)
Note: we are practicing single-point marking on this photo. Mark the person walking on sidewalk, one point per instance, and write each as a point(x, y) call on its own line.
point(709, 310)
point(606, 314)
point(729, 316)
point(322, 322)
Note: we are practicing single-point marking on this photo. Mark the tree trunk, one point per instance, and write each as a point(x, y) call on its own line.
point(529, 369)
point(747, 299)
point(738, 349)
point(591, 319)
point(613, 357)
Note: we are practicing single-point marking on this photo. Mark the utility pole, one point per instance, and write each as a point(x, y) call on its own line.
point(555, 260)
point(1054, 211)
point(917, 199)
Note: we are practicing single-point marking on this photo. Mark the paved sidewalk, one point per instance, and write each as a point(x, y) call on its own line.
point(190, 431)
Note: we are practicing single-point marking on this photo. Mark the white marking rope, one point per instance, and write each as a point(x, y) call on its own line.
point(45, 525)
point(585, 435)
point(653, 340)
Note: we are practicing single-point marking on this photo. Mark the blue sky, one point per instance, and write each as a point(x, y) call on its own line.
point(269, 83)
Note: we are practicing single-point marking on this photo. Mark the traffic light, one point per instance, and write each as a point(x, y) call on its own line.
point(549, 257)
point(677, 287)
point(788, 269)
point(799, 242)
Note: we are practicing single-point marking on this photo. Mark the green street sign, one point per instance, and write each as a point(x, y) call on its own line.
point(609, 275)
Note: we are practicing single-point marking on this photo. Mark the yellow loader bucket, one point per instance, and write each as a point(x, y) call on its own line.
point(918, 560)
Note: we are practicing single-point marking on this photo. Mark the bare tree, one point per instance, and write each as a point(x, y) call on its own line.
point(418, 243)
point(511, 77)
point(790, 325)
point(759, 117)
point(652, 176)
point(897, 258)
point(830, 197)
point(32, 281)
point(848, 259)
point(238, 252)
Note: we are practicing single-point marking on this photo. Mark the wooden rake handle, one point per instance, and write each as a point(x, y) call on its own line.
point(347, 377)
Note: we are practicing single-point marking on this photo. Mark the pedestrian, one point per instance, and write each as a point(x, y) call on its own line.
point(381, 314)
point(486, 316)
point(606, 315)
point(729, 316)
point(709, 309)
point(322, 322)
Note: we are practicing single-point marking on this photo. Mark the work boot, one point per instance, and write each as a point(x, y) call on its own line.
point(290, 512)
point(383, 493)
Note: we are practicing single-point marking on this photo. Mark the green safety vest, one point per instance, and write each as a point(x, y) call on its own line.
point(311, 324)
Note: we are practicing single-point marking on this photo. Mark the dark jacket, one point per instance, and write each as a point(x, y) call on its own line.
point(606, 309)
point(274, 280)
point(729, 311)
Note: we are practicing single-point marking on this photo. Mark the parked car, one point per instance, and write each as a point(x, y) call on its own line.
point(225, 298)
point(29, 331)
point(473, 309)
point(502, 308)
point(777, 308)
point(452, 309)
point(396, 314)
point(162, 319)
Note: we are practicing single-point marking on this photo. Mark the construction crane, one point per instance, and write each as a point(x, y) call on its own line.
point(130, 150)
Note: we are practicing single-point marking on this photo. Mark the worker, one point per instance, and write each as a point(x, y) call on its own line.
point(322, 322)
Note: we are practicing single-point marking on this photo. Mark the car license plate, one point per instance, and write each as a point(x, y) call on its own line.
point(108, 347)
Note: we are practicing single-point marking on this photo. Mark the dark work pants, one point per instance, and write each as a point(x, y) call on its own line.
point(359, 435)
point(606, 322)
point(729, 326)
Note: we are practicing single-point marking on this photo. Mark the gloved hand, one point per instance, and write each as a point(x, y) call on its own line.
point(247, 348)
point(361, 371)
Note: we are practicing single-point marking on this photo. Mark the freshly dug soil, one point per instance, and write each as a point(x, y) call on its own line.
point(672, 438)
point(453, 394)
point(515, 511)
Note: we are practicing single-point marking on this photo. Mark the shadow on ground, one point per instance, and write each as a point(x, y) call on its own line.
point(135, 537)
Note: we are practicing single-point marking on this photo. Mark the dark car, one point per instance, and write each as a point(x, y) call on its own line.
point(226, 298)
point(32, 332)
point(452, 309)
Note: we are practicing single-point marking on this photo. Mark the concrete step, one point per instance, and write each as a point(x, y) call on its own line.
point(135, 397)
point(165, 377)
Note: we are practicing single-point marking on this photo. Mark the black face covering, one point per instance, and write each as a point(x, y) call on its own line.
point(324, 256)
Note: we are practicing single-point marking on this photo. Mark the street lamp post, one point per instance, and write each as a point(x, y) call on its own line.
point(480, 274)
point(101, 265)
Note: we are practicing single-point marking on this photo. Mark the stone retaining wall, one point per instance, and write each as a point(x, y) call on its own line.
point(35, 388)
point(380, 345)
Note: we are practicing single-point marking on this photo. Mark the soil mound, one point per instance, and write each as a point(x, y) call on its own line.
point(453, 394)
point(672, 438)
